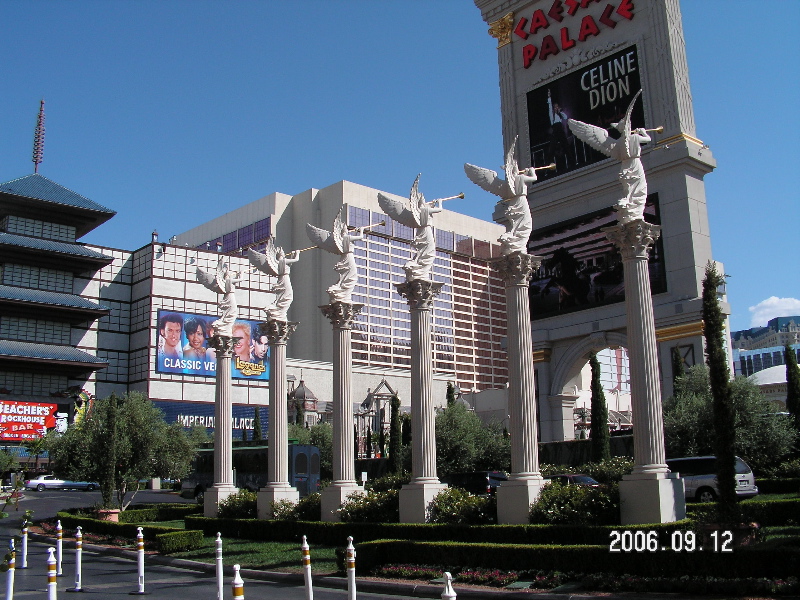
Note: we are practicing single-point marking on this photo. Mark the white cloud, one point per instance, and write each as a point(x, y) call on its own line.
point(773, 307)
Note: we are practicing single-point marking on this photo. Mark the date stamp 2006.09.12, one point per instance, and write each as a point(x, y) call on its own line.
point(675, 541)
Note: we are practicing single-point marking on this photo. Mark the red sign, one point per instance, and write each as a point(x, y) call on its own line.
point(572, 33)
point(25, 420)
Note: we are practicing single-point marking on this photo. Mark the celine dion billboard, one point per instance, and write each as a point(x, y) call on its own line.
point(598, 93)
point(183, 347)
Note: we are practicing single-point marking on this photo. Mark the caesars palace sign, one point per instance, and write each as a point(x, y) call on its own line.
point(575, 29)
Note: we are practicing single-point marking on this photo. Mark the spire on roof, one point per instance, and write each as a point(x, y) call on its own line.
point(38, 139)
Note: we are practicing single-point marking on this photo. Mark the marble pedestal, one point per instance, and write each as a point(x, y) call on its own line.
point(415, 497)
point(341, 316)
point(223, 436)
point(277, 488)
point(650, 494)
point(516, 495)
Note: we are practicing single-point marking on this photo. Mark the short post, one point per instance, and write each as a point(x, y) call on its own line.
point(351, 569)
point(449, 593)
point(238, 584)
point(59, 547)
point(140, 561)
point(52, 588)
point(10, 574)
point(220, 582)
point(78, 558)
point(24, 541)
point(306, 560)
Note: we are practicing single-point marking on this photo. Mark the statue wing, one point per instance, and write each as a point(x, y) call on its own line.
point(267, 262)
point(488, 180)
point(209, 281)
point(626, 134)
point(397, 211)
point(511, 167)
point(596, 137)
point(339, 231)
point(416, 200)
point(322, 238)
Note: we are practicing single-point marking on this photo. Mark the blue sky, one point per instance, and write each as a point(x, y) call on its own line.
point(172, 113)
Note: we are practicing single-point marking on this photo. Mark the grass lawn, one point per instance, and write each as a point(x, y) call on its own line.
point(270, 556)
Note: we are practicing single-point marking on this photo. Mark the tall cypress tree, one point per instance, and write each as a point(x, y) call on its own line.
point(257, 434)
point(678, 367)
point(395, 443)
point(792, 385)
point(451, 393)
point(369, 442)
point(600, 438)
point(720, 379)
point(382, 441)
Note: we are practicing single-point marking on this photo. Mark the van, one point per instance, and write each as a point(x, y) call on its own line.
point(699, 474)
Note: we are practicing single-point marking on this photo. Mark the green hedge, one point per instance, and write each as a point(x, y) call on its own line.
point(124, 530)
point(745, 562)
point(767, 513)
point(179, 541)
point(335, 534)
point(782, 485)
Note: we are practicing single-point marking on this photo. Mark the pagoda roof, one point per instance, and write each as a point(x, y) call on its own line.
point(34, 356)
point(37, 197)
point(72, 307)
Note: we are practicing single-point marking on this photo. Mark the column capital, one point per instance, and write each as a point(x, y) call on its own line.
point(633, 239)
point(501, 29)
point(341, 314)
point(223, 344)
point(516, 268)
point(277, 332)
point(419, 293)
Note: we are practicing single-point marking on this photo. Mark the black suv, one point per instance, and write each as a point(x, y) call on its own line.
point(480, 483)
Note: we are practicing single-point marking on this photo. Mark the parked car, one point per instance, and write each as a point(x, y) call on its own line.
point(573, 479)
point(699, 474)
point(51, 482)
point(481, 483)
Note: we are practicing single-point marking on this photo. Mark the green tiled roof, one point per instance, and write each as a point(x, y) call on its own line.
point(12, 239)
point(40, 187)
point(19, 294)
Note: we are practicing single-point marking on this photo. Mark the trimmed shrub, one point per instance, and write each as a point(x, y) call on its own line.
point(388, 482)
point(767, 513)
point(782, 485)
point(576, 505)
point(310, 508)
point(179, 541)
point(372, 507)
point(241, 505)
point(456, 506)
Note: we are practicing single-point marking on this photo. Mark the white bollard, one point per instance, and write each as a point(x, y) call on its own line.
point(220, 576)
point(24, 541)
point(59, 547)
point(10, 573)
point(351, 569)
point(306, 560)
point(238, 584)
point(52, 588)
point(449, 593)
point(140, 560)
point(78, 559)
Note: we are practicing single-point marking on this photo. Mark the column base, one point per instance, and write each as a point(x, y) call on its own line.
point(274, 493)
point(334, 496)
point(515, 496)
point(415, 498)
point(651, 498)
point(213, 496)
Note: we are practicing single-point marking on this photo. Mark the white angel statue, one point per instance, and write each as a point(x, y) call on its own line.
point(222, 282)
point(339, 241)
point(417, 214)
point(513, 192)
point(628, 150)
point(277, 263)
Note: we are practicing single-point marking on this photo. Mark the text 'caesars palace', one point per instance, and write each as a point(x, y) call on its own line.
point(79, 321)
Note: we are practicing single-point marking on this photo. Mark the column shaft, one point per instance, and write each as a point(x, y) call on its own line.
point(423, 419)
point(343, 465)
point(223, 414)
point(278, 436)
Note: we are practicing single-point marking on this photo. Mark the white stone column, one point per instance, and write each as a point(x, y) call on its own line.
point(278, 487)
point(223, 436)
point(341, 315)
point(651, 494)
point(516, 495)
point(424, 485)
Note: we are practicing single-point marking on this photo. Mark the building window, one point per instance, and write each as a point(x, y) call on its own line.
point(358, 217)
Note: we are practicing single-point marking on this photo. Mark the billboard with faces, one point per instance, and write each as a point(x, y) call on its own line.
point(183, 347)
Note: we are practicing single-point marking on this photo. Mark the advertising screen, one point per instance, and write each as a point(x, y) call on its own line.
point(598, 93)
point(28, 420)
point(581, 268)
point(183, 347)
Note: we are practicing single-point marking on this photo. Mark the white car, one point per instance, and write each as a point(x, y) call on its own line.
point(51, 482)
point(699, 474)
